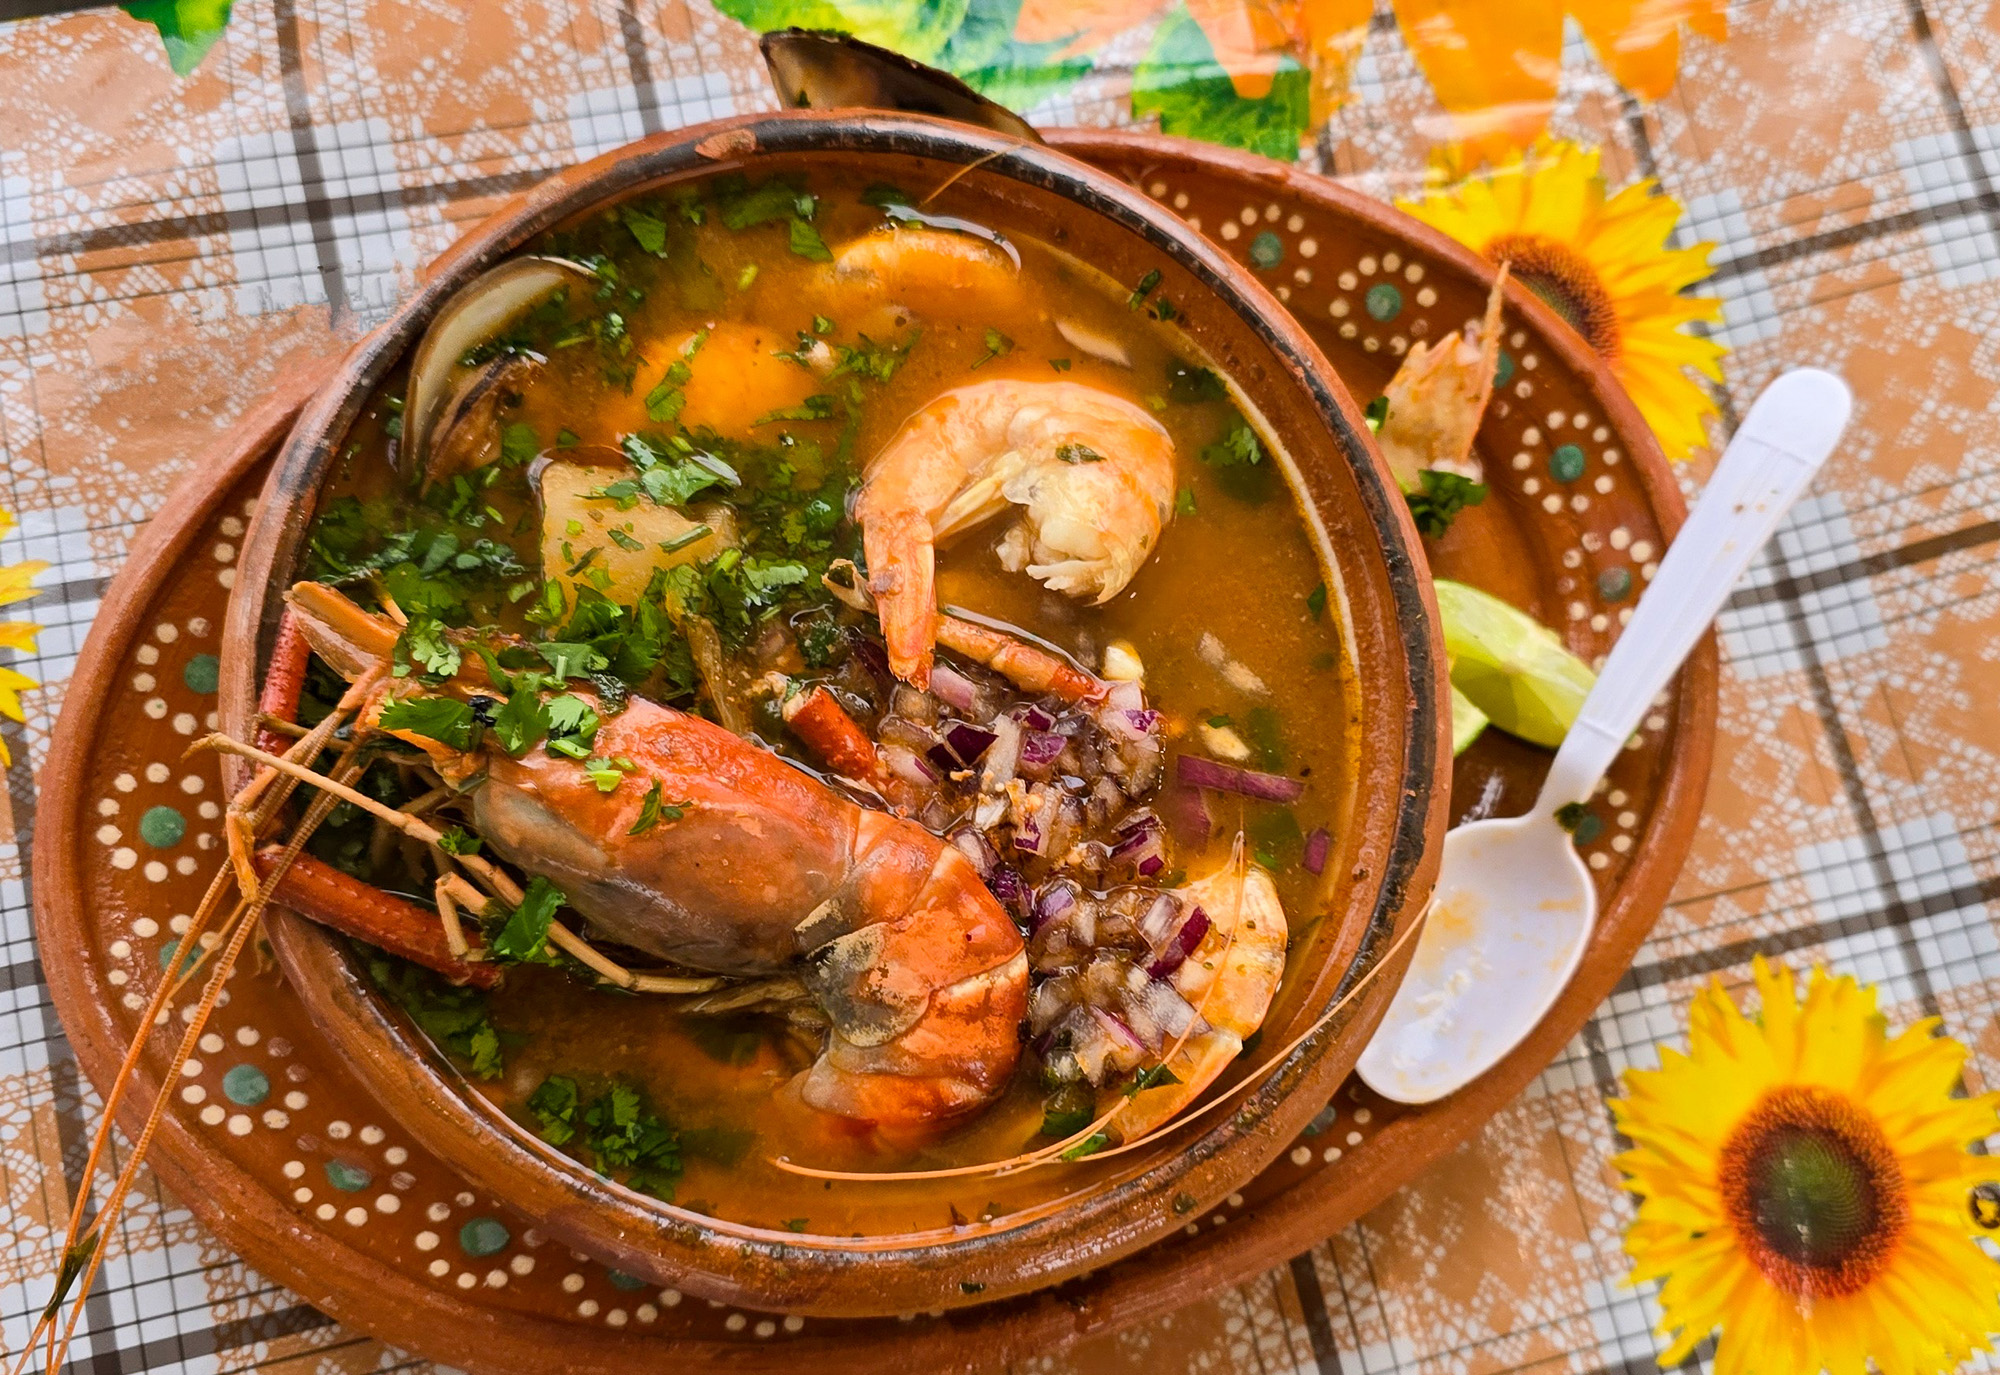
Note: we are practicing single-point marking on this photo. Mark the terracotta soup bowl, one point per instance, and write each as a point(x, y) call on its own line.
point(1377, 877)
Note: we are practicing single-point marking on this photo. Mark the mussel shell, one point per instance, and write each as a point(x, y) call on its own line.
point(818, 70)
point(475, 314)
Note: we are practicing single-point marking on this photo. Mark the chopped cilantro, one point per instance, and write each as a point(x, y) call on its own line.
point(998, 345)
point(567, 660)
point(1151, 1077)
point(567, 438)
point(521, 722)
point(796, 1224)
point(1441, 498)
point(553, 1105)
point(1189, 384)
point(1162, 309)
point(648, 229)
point(423, 643)
point(1059, 364)
point(812, 408)
point(624, 541)
point(669, 477)
point(454, 1017)
point(519, 444)
point(523, 933)
point(607, 774)
point(456, 840)
point(1377, 413)
point(622, 1133)
point(1143, 289)
point(1184, 503)
point(806, 242)
point(1090, 1145)
point(1316, 600)
point(652, 811)
point(743, 206)
point(1237, 448)
point(883, 195)
point(746, 276)
point(443, 719)
point(819, 638)
point(573, 725)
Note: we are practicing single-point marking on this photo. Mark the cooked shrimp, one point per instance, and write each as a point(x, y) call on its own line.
point(1093, 472)
point(754, 868)
point(1229, 981)
point(1437, 397)
point(929, 272)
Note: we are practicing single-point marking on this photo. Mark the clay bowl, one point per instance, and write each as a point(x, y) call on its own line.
point(1384, 858)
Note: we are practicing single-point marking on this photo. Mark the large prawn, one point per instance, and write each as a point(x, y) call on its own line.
point(761, 870)
point(1092, 473)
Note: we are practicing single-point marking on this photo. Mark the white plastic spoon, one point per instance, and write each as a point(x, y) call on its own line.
point(1515, 905)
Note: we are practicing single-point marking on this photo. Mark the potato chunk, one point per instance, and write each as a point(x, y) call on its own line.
point(629, 545)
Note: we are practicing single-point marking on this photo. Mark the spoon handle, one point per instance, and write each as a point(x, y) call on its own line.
point(1782, 442)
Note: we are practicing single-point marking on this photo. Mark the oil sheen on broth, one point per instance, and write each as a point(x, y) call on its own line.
point(713, 314)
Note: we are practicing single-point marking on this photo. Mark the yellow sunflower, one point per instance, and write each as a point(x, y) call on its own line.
point(1803, 1186)
point(1604, 266)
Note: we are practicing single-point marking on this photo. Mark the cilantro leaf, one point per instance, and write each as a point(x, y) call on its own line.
point(1377, 414)
point(567, 660)
point(1189, 384)
point(652, 811)
point(1316, 601)
point(1441, 498)
point(519, 444)
point(998, 345)
point(743, 206)
point(523, 936)
point(1239, 447)
point(812, 408)
point(573, 725)
point(553, 1104)
point(451, 1015)
point(423, 643)
point(648, 229)
point(521, 722)
point(443, 719)
point(1143, 289)
point(806, 242)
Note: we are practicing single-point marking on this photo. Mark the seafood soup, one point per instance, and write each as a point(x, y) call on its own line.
point(865, 696)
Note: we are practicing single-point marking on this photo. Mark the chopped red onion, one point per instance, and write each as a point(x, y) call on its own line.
point(953, 688)
point(874, 657)
point(968, 741)
point(1033, 717)
point(1145, 849)
point(1052, 902)
point(1318, 845)
point(1039, 749)
point(907, 766)
point(1126, 1049)
point(1007, 888)
point(1028, 836)
point(978, 849)
point(1184, 943)
point(1002, 758)
point(1228, 778)
point(1126, 696)
point(1172, 1013)
point(1158, 923)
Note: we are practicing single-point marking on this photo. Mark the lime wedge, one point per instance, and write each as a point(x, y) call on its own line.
point(1467, 721)
point(1511, 666)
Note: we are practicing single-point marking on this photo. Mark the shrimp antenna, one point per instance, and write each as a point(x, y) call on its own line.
point(972, 166)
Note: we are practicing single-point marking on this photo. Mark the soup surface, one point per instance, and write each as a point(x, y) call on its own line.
point(684, 476)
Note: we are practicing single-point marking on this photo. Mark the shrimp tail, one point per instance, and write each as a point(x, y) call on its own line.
point(902, 563)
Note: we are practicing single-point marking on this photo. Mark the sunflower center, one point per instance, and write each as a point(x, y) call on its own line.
point(1566, 281)
point(1814, 1192)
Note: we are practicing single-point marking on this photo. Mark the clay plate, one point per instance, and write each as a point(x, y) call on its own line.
point(408, 1275)
point(1377, 877)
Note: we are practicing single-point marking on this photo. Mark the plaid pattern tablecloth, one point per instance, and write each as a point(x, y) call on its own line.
point(168, 246)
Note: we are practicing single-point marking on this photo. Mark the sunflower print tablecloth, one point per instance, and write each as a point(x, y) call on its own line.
point(168, 245)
